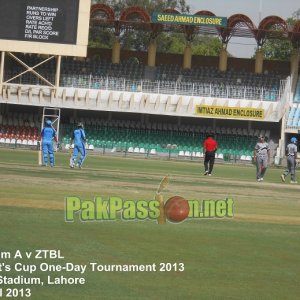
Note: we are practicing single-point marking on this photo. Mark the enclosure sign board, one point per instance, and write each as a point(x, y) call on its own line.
point(188, 19)
point(230, 112)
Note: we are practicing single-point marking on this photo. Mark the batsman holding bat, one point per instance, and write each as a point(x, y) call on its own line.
point(48, 134)
point(79, 140)
point(261, 157)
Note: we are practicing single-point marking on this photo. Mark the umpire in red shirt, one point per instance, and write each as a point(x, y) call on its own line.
point(210, 147)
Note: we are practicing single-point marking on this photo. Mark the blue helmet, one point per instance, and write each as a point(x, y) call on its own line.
point(48, 122)
point(294, 140)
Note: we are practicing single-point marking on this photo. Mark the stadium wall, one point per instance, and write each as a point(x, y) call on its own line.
point(139, 102)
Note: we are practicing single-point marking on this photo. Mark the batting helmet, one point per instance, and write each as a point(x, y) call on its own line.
point(80, 125)
point(294, 140)
point(48, 122)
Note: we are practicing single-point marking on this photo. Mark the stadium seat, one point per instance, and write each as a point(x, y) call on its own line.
point(187, 153)
point(130, 149)
point(153, 151)
point(181, 153)
point(198, 154)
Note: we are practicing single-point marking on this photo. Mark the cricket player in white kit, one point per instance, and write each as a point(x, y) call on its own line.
point(291, 156)
point(261, 157)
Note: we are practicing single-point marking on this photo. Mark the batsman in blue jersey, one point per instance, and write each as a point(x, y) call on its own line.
point(79, 146)
point(48, 135)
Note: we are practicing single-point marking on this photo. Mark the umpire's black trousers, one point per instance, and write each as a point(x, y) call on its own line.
point(209, 160)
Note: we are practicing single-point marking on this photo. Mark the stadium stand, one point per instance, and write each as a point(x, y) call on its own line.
point(293, 120)
point(137, 137)
point(297, 91)
point(164, 138)
point(170, 79)
point(23, 130)
point(132, 86)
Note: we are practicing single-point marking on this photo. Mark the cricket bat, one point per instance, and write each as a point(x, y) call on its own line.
point(70, 153)
point(40, 162)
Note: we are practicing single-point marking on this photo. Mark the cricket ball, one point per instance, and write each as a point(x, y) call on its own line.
point(176, 209)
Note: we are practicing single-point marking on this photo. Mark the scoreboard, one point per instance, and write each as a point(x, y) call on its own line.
point(58, 27)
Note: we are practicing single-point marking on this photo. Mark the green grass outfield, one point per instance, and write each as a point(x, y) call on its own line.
point(254, 255)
